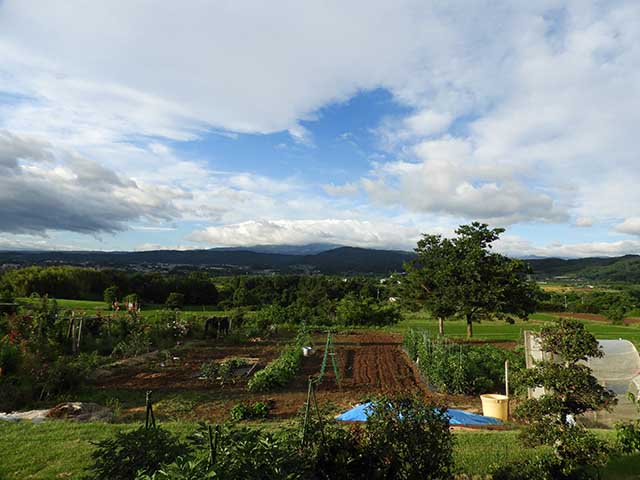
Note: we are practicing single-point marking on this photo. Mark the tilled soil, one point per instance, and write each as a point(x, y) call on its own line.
point(369, 364)
point(593, 317)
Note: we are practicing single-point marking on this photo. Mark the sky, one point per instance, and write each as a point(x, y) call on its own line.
point(144, 124)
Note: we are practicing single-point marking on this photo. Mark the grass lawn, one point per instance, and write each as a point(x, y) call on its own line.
point(59, 449)
point(500, 330)
point(94, 305)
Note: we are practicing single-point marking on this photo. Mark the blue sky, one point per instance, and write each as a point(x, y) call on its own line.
point(363, 123)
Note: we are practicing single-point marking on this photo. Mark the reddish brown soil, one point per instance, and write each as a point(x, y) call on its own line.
point(592, 316)
point(369, 364)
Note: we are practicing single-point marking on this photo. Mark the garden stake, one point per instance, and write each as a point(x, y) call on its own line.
point(315, 401)
point(306, 411)
point(213, 445)
point(149, 413)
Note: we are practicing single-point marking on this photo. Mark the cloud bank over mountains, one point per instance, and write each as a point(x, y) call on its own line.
point(515, 113)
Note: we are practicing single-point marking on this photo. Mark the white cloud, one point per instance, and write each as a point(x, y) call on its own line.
point(630, 226)
point(340, 190)
point(519, 247)
point(300, 232)
point(584, 222)
point(532, 121)
point(447, 179)
point(44, 189)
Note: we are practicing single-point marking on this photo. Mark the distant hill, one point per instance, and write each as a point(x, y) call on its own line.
point(609, 269)
point(337, 260)
point(322, 258)
point(309, 249)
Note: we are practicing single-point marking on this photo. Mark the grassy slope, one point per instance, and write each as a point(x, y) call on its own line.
point(500, 330)
point(61, 450)
point(91, 306)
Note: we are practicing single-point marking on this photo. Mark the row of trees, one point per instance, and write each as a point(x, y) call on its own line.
point(90, 284)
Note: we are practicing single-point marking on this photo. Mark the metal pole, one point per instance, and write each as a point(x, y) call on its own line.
point(506, 377)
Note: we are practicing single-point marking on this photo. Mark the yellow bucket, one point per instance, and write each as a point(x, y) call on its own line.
point(496, 406)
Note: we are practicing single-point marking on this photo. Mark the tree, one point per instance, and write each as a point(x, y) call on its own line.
point(111, 295)
point(461, 277)
point(175, 300)
point(569, 390)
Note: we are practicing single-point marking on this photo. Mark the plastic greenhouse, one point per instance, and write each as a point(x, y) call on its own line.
point(618, 370)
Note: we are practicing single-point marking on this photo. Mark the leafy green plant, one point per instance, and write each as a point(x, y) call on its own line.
point(451, 367)
point(569, 390)
point(281, 370)
point(66, 374)
point(223, 372)
point(628, 433)
point(135, 344)
point(127, 454)
point(9, 356)
point(242, 411)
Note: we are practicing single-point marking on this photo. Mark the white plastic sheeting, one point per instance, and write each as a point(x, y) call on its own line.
point(618, 370)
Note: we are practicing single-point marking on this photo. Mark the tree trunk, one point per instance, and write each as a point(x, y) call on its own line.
point(469, 327)
point(441, 326)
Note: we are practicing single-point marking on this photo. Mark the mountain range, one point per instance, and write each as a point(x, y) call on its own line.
point(319, 257)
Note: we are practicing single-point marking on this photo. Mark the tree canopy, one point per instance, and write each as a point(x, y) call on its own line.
point(461, 277)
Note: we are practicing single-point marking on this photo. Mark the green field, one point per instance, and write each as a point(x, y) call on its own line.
point(61, 449)
point(95, 305)
point(499, 330)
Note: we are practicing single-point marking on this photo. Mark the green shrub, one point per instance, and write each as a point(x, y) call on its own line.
point(403, 438)
point(242, 411)
point(9, 356)
point(353, 310)
point(543, 467)
point(406, 438)
point(66, 374)
point(142, 450)
point(628, 436)
point(223, 372)
point(175, 300)
point(135, 344)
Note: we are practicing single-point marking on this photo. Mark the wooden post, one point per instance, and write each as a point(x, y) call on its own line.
point(79, 334)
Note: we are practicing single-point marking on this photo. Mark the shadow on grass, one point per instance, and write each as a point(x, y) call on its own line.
point(625, 467)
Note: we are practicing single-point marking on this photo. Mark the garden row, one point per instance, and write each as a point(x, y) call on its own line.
point(451, 367)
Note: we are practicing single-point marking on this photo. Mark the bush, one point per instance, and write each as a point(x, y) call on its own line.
point(352, 310)
point(543, 467)
point(628, 436)
point(66, 374)
point(408, 439)
point(222, 372)
point(9, 357)
point(175, 300)
point(242, 411)
point(135, 344)
point(628, 433)
point(127, 454)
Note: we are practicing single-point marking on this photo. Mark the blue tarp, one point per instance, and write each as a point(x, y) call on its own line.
point(360, 412)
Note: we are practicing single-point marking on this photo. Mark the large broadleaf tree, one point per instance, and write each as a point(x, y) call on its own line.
point(461, 277)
